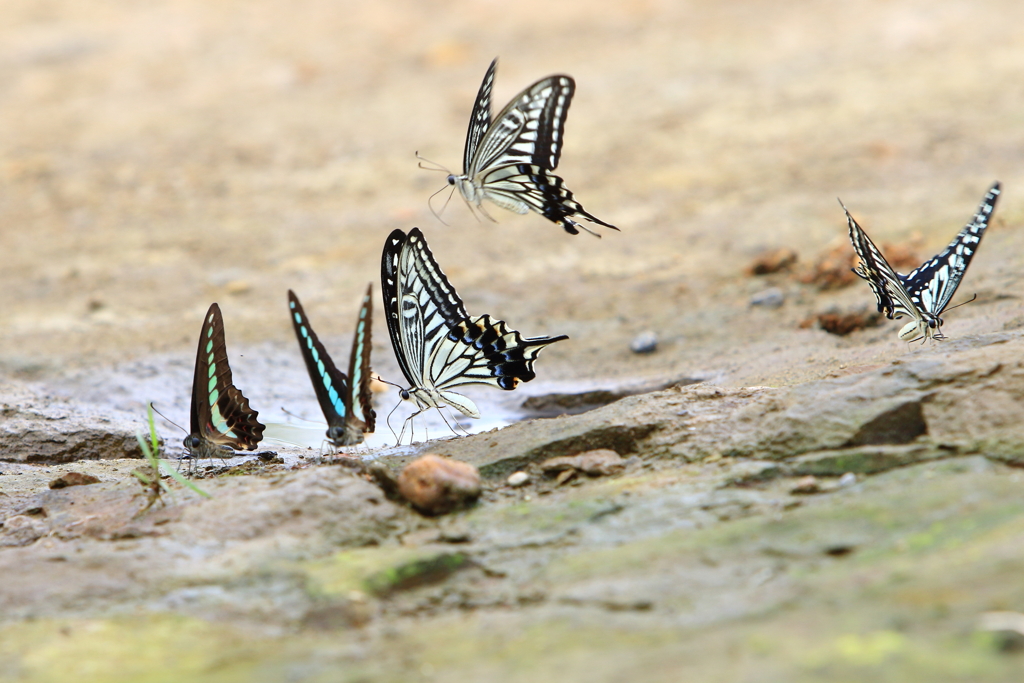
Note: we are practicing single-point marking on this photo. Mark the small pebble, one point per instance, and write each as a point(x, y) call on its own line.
point(773, 297)
point(645, 342)
point(848, 479)
point(73, 479)
point(436, 485)
point(517, 479)
point(806, 485)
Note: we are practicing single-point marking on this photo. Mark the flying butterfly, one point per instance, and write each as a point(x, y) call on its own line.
point(511, 160)
point(221, 419)
point(438, 345)
point(345, 400)
point(924, 294)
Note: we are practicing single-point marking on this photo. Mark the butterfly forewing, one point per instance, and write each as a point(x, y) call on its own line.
point(529, 129)
point(480, 120)
point(886, 283)
point(437, 344)
point(362, 417)
point(220, 414)
point(932, 285)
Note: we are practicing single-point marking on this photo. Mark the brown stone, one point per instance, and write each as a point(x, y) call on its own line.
point(73, 479)
point(843, 324)
point(436, 485)
point(772, 261)
point(594, 463)
point(806, 485)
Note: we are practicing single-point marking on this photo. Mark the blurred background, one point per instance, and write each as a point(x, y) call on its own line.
point(156, 157)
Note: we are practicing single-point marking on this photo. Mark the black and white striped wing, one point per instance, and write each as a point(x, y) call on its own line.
point(893, 299)
point(932, 285)
point(437, 344)
point(480, 120)
point(522, 187)
point(530, 128)
point(419, 302)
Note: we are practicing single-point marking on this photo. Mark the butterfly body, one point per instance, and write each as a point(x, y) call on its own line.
point(438, 345)
point(344, 400)
point(926, 292)
point(220, 417)
point(510, 161)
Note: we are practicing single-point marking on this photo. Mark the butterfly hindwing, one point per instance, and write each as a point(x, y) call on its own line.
point(437, 344)
point(511, 160)
point(220, 414)
point(344, 400)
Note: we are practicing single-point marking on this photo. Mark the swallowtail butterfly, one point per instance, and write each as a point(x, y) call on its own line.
point(345, 400)
point(924, 294)
point(511, 160)
point(221, 418)
point(437, 344)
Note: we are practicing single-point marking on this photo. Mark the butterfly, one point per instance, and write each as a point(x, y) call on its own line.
point(511, 160)
point(437, 344)
point(221, 418)
point(923, 294)
point(344, 400)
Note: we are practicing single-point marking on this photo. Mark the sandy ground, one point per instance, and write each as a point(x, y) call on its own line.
point(158, 157)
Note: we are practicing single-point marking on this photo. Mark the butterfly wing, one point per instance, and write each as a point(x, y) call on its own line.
point(932, 285)
point(220, 414)
point(482, 350)
point(480, 120)
point(438, 345)
point(419, 301)
point(358, 400)
point(886, 283)
point(329, 383)
point(530, 128)
point(521, 187)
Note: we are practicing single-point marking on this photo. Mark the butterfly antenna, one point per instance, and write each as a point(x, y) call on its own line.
point(963, 303)
point(297, 417)
point(434, 166)
point(182, 428)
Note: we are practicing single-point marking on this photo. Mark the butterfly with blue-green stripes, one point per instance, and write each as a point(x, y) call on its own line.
point(221, 419)
point(345, 400)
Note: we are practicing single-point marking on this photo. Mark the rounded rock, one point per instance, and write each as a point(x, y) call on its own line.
point(773, 297)
point(645, 342)
point(517, 479)
point(436, 485)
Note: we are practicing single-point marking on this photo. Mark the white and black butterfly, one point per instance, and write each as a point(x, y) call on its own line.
point(511, 160)
point(221, 419)
point(437, 344)
point(345, 400)
point(923, 294)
